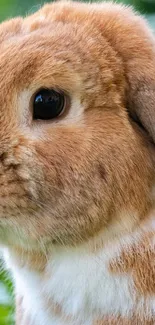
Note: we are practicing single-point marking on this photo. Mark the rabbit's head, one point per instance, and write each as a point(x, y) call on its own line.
point(77, 123)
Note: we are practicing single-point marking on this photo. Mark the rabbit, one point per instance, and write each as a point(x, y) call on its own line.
point(77, 164)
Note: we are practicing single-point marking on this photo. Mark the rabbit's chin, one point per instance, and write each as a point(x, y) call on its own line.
point(27, 238)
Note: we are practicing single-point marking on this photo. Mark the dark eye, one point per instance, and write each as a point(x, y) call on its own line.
point(48, 104)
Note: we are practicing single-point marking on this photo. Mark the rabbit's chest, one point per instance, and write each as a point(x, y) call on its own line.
point(74, 290)
point(77, 288)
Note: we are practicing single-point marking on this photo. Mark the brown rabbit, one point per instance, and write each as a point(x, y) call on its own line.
point(77, 176)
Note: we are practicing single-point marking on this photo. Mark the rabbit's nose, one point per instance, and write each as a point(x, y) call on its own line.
point(8, 160)
point(9, 152)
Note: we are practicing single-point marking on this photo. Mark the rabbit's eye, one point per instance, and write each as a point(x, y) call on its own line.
point(48, 104)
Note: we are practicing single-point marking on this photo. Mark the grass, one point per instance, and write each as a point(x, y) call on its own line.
point(6, 300)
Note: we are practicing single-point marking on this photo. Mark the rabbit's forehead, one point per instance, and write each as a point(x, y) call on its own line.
point(29, 59)
point(52, 57)
point(39, 45)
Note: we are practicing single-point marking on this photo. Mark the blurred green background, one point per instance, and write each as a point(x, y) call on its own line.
point(8, 9)
point(11, 8)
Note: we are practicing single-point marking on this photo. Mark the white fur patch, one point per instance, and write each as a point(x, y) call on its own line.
point(80, 283)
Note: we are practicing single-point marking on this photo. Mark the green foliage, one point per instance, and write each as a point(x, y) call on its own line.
point(10, 8)
point(6, 315)
point(6, 300)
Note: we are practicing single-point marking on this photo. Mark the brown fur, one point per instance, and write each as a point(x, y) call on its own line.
point(125, 321)
point(65, 180)
point(139, 260)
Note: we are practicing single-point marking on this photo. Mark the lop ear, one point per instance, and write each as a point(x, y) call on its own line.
point(133, 40)
point(141, 93)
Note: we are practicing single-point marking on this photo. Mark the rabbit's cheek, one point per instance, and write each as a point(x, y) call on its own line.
point(90, 176)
